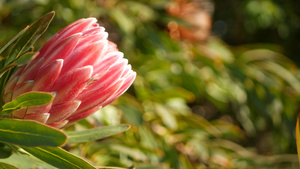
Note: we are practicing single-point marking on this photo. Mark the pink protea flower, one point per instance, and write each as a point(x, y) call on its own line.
point(83, 69)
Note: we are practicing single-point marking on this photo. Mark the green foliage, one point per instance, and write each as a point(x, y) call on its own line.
point(29, 37)
point(205, 105)
point(31, 138)
point(29, 133)
point(27, 100)
point(58, 157)
point(95, 133)
point(7, 166)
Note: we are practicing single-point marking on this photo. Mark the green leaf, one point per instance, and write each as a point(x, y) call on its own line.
point(26, 57)
point(30, 133)
point(27, 100)
point(26, 161)
point(21, 60)
point(13, 40)
point(5, 151)
point(132, 167)
point(30, 36)
point(298, 137)
point(7, 166)
point(58, 158)
point(6, 68)
point(95, 134)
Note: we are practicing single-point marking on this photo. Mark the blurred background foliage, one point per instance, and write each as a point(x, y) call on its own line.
point(218, 84)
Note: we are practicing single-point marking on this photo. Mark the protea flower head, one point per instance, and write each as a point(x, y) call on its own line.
point(84, 70)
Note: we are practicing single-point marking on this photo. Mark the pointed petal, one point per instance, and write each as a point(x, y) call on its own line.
point(17, 73)
point(47, 76)
point(92, 35)
point(126, 84)
point(59, 124)
point(97, 97)
point(19, 113)
point(87, 55)
point(69, 86)
point(62, 49)
point(39, 109)
point(30, 71)
point(110, 77)
point(60, 112)
point(10, 85)
point(107, 61)
point(96, 31)
point(7, 97)
point(22, 88)
point(40, 117)
point(82, 115)
point(76, 27)
point(80, 25)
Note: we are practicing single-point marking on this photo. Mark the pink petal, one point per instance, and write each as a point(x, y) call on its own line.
point(59, 124)
point(42, 108)
point(39, 109)
point(96, 31)
point(19, 113)
point(40, 117)
point(107, 61)
point(11, 84)
point(22, 88)
point(7, 97)
point(17, 73)
point(82, 115)
point(60, 112)
point(97, 97)
point(47, 76)
point(87, 55)
point(93, 35)
point(69, 86)
point(62, 49)
point(126, 84)
point(30, 71)
point(109, 78)
point(76, 27)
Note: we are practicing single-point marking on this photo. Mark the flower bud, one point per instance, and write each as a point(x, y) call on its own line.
point(84, 70)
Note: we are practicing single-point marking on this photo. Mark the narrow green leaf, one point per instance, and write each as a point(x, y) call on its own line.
point(13, 40)
point(6, 68)
point(26, 57)
point(27, 100)
point(132, 167)
point(298, 137)
point(7, 166)
point(95, 133)
point(30, 133)
point(30, 36)
point(58, 157)
point(26, 161)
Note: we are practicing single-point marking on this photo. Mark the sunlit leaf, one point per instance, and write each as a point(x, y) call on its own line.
point(13, 40)
point(298, 136)
point(24, 58)
point(7, 166)
point(149, 166)
point(6, 68)
point(30, 133)
point(27, 100)
point(95, 134)
point(30, 37)
point(59, 158)
point(26, 162)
